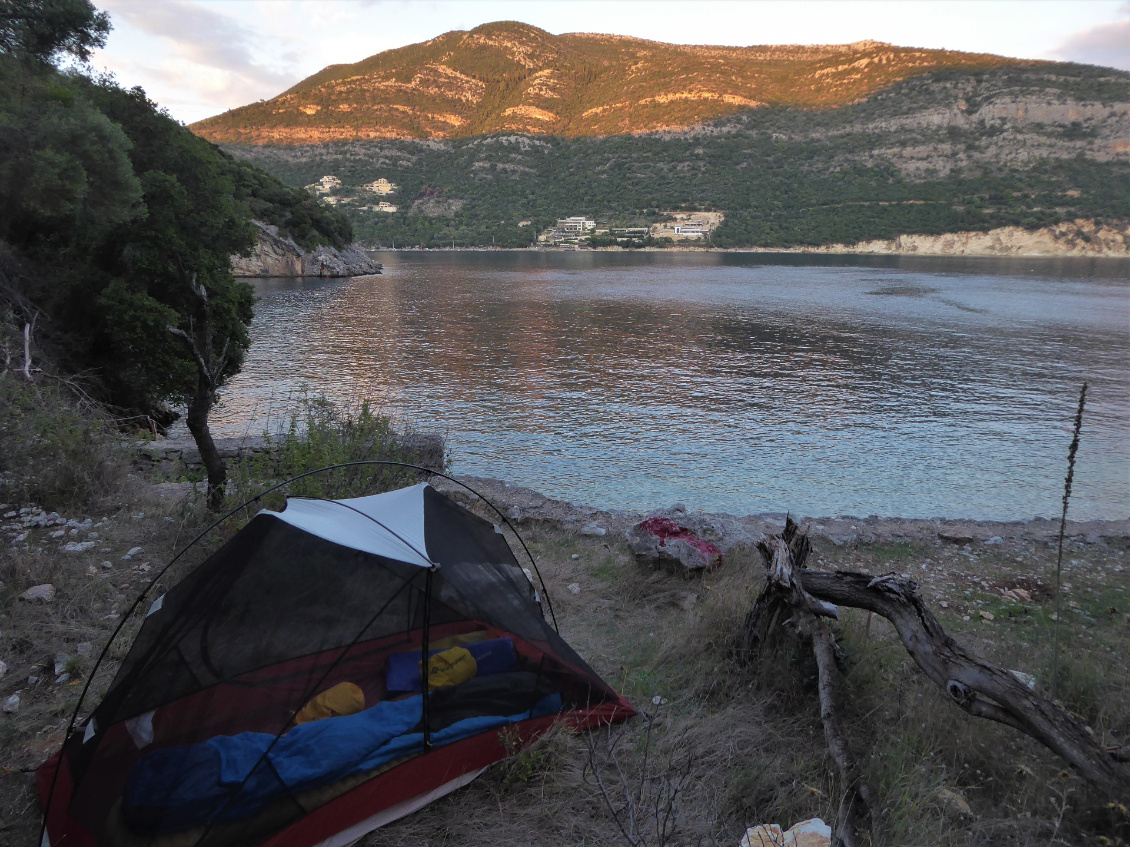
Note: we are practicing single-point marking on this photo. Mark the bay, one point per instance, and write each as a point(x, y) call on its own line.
point(743, 383)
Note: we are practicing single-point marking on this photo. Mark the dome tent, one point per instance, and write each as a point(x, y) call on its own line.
point(196, 740)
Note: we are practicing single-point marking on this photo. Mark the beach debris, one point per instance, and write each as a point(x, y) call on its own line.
point(45, 592)
point(660, 541)
point(810, 833)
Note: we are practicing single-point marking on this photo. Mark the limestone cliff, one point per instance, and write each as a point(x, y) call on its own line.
point(276, 255)
point(1071, 238)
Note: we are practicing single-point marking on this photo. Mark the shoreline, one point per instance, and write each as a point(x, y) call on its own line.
point(789, 251)
point(525, 506)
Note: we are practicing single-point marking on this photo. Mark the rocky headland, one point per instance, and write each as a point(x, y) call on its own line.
point(278, 255)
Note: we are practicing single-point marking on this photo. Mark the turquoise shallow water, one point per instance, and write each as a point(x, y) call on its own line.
point(730, 382)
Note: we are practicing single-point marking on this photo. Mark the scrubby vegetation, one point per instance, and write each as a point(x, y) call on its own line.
point(743, 744)
point(938, 153)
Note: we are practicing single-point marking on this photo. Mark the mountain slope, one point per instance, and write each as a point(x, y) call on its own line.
point(512, 77)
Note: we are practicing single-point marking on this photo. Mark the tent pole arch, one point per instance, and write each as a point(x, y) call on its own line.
point(145, 591)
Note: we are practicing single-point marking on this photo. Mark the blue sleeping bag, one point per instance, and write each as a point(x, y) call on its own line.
point(181, 787)
point(491, 657)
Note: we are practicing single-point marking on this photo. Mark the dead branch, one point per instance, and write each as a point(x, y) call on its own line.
point(784, 599)
point(982, 689)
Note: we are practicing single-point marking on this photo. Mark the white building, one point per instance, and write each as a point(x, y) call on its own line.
point(575, 224)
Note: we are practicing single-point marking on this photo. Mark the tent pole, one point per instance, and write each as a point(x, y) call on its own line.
point(425, 675)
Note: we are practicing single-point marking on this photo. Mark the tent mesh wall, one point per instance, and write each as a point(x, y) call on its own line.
point(277, 616)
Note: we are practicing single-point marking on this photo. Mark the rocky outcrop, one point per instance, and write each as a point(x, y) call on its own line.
point(1071, 238)
point(275, 255)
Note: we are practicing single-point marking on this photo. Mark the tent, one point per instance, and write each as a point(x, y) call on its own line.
point(401, 622)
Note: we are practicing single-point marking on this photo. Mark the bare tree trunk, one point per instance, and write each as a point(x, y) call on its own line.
point(209, 371)
point(199, 408)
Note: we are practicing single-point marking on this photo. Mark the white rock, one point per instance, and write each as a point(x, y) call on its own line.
point(19, 539)
point(996, 539)
point(575, 556)
point(61, 663)
point(61, 678)
point(84, 649)
point(91, 570)
point(1028, 679)
point(3, 667)
point(106, 565)
point(78, 546)
point(595, 530)
point(92, 535)
point(45, 592)
point(574, 588)
point(59, 533)
point(12, 705)
point(32, 680)
point(134, 551)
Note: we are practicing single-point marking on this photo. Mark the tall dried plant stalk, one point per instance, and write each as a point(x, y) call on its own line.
point(1062, 526)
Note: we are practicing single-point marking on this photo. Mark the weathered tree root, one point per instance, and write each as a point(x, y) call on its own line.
point(784, 599)
point(795, 595)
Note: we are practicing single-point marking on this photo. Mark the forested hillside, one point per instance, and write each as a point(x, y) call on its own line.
point(946, 151)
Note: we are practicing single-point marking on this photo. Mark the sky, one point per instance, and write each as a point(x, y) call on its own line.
point(198, 58)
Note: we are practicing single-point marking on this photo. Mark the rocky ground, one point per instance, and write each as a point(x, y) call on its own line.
point(67, 580)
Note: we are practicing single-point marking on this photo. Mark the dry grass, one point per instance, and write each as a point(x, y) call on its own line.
point(750, 738)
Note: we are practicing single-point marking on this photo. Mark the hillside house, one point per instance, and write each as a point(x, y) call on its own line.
point(325, 185)
point(381, 186)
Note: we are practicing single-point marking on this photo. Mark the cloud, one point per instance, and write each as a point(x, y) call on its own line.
point(1107, 44)
point(211, 52)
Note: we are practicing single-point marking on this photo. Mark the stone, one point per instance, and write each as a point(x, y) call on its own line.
point(953, 803)
point(59, 533)
point(78, 546)
point(955, 537)
point(994, 539)
point(84, 649)
point(32, 680)
point(61, 663)
point(1028, 679)
point(594, 530)
point(988, 616)
point(45, 592)
point(574, 588)
point(91, 570)
point(514, 513)
point(61, 678)
point(660, 541)
point(12, 705)
point(574, 557)
point(133, 551)
point(106, 565)
point(3, 667)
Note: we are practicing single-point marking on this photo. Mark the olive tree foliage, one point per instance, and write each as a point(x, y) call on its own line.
point(131, 217)
point(48, 30)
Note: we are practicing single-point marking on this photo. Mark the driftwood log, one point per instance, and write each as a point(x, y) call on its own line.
point(799, 597)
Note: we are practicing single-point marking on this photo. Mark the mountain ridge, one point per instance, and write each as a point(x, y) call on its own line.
point(509, 77)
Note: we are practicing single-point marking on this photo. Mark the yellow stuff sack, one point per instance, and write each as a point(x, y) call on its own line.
point(450, 667)
point(345, 698)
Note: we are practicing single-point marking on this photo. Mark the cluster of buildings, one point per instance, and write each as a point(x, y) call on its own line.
point(679, 226)
point(329, 183)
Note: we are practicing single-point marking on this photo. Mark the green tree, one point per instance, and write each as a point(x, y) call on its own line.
point(47, 30)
